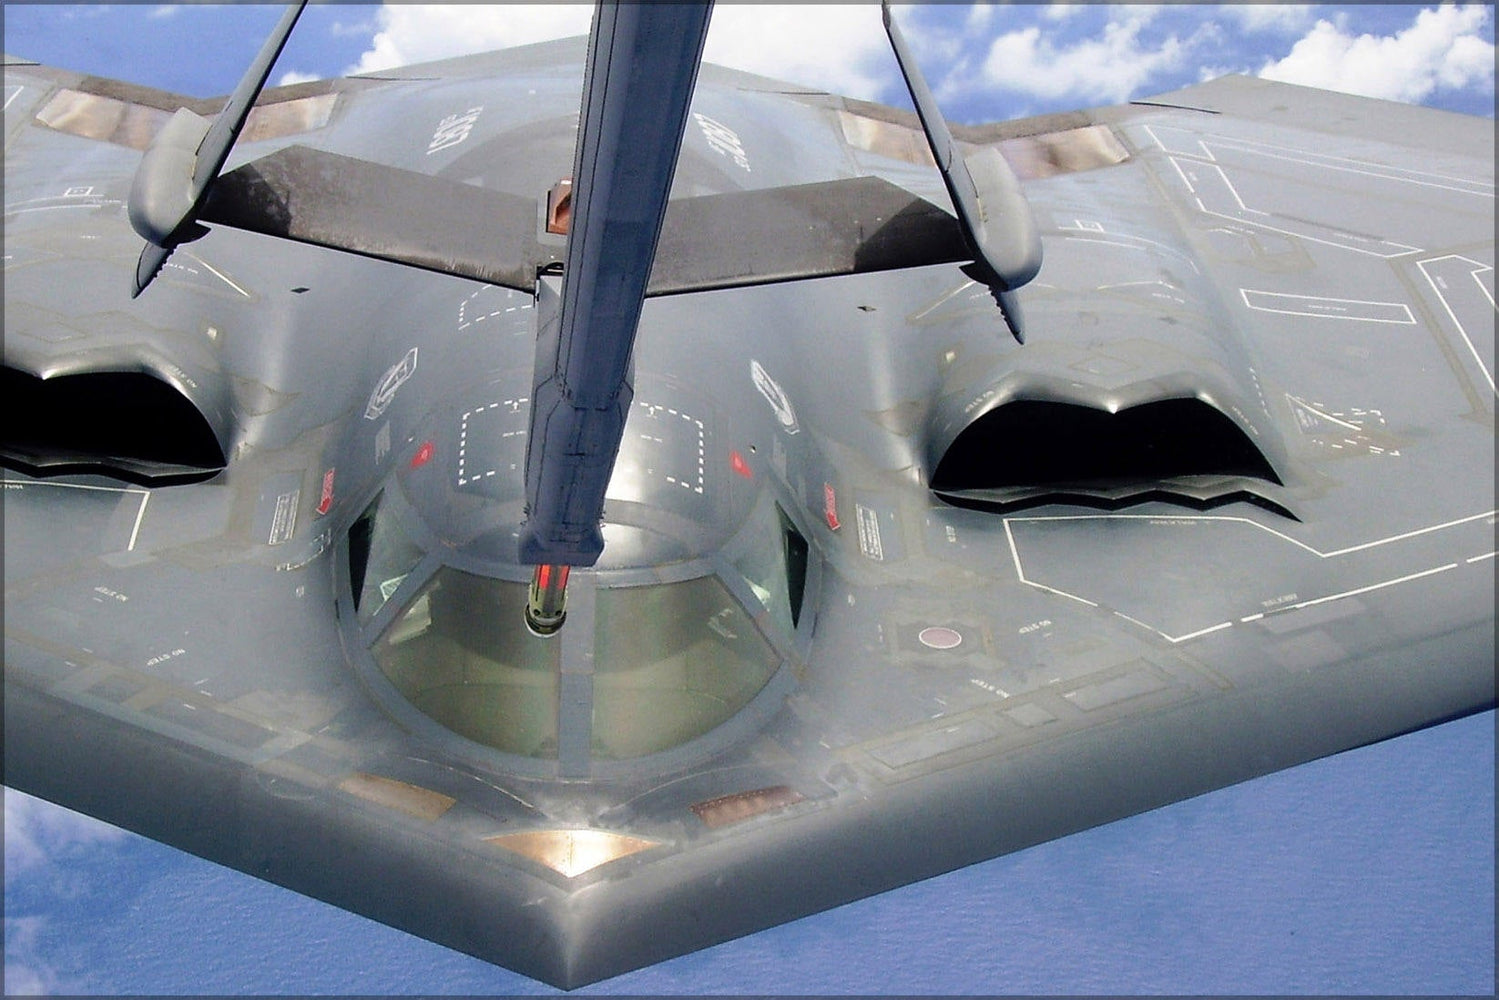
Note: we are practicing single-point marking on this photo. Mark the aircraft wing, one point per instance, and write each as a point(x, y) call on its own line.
point(884, 593)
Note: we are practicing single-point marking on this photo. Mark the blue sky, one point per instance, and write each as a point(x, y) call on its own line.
point(984, 60)
point(1371, 872)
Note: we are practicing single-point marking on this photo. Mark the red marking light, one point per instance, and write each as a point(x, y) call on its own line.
point(544, 575)
point(423, 455)
point(738, 464)
point(830, 506)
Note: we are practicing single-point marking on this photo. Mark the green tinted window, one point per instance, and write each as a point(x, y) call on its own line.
point(461, 654)
point(380, 556)
point(672, 661)
point(771, 555)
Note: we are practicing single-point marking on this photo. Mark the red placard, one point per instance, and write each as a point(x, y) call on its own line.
point(325, 501)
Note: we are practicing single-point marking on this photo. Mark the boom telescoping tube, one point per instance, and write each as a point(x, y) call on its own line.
point(546, 602)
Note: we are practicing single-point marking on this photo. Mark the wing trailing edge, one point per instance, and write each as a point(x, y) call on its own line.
point(1290, 105)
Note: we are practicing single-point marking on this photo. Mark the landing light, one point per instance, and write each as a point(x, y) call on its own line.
point(571, 853)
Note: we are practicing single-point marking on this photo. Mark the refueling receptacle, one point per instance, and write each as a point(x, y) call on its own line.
point(546, 602)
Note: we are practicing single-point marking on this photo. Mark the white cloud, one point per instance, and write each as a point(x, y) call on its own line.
point(1058, 12)
point(165, 10)
point(1110, 67)
point(344, 29)
point(836, 47)
point(413, 33)
point(25, 975)
point(296, 76)
point(36, 832)
point(1257, 17)
point(1137, 15)
point(1441, 49)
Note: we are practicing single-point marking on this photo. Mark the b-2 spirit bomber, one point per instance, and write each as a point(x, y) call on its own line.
point(579, 505)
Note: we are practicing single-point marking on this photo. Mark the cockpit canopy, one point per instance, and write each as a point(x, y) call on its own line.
point(668, 653)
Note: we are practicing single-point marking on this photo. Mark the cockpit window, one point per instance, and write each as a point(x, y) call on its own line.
point(794, 548)
point(380, 556)
point(771, 555)
point(460, 654)
point(652, 666)
point(672, 661)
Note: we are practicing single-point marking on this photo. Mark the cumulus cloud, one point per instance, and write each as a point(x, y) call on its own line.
point(1109, 67)
point(295, 76)
point(344, 29)
point(1442, 48)
point(413, 33)
point(1257, 17)
point(835, 47)
point(1057, 12)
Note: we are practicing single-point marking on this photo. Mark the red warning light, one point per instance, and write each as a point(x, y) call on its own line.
point(325, 500)
point(738, 464)
point(544, 575)
point(423, 455)
point(830, 506)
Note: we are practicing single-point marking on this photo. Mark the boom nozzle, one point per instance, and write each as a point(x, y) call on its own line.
point(546, 602)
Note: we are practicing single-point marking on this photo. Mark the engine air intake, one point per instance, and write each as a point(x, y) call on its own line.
point(1029, 452)
point(126, 425)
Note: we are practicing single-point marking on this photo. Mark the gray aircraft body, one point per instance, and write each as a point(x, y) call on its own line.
point(882, 592)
